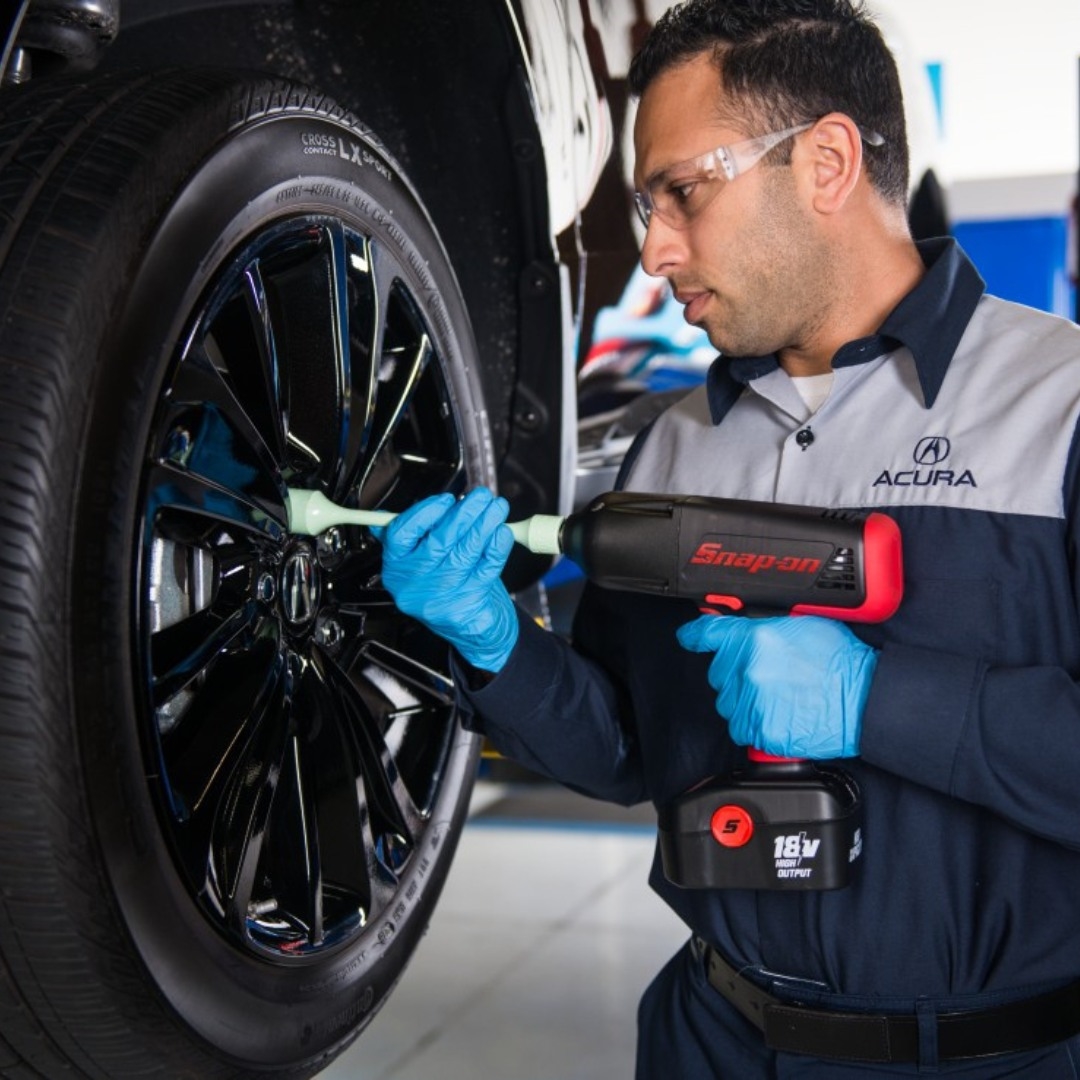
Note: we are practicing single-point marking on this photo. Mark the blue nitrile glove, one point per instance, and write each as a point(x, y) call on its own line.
point(790, 686)
point(441, 563)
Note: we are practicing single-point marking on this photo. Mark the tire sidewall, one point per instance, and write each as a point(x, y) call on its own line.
point(262, 172)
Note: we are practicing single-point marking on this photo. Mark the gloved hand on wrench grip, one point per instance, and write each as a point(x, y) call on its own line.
point(441, 563)
point(792, 686)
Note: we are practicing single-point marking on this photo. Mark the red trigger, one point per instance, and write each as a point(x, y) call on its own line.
point(716, 600)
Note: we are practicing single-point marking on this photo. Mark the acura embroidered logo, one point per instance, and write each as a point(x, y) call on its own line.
point(929, 452)
point(932, 450)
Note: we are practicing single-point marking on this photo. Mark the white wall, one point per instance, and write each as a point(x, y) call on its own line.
point(1009, 83)
point(1010, 145)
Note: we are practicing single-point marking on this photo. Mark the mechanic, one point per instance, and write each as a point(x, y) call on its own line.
point(857, 369)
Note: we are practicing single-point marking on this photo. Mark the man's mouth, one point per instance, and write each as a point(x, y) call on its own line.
point(694, 303)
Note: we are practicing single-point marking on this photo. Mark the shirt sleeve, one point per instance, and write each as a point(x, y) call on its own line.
point(1002, 737)
point(560, 714)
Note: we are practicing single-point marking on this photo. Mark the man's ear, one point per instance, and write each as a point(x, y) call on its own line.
point(834, 162)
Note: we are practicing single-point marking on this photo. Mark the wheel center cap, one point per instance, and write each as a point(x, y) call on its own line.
point(300, 586)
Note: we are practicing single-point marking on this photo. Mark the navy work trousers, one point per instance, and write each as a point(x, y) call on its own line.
point(687, 1031)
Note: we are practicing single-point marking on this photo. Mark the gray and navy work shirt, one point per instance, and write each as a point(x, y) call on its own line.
point(959, 420)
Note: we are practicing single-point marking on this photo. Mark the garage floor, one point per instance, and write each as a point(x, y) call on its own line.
point(544, 938)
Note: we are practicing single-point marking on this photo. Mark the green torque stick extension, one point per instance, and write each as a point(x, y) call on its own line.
point(311, 512)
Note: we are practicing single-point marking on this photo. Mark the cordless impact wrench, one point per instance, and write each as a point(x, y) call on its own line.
point(778, 823)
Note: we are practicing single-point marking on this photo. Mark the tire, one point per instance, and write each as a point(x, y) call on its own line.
point(232, 775)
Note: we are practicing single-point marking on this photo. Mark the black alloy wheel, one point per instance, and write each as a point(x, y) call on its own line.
point(279, 654)
point(235, 772)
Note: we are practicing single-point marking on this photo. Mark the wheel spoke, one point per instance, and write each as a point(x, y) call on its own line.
point(339, 298)
point(303, 283)
point(198, 754)
point(418, 701)
point(420, 448)
point(236, 338)
point(293, 865)
point(308, 782)
point(402, 374)
point(172, 487)
point(206, 430)
point(387, 796)
point(372, 274)
point(381, 882)
point(358, 583)
point(350, 876)
point(378, 272)
point(432, 684)
point(187, 649)
point(361, 605)
point(242, 816)
point(263, 384)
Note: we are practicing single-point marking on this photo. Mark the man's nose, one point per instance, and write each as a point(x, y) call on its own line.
point(663, 248)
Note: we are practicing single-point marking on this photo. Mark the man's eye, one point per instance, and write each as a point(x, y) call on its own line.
point(683, 191)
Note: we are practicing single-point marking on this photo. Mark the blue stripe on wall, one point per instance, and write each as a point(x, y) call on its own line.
point(1022, 259)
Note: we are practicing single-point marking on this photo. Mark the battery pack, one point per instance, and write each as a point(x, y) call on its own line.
point(781, 825)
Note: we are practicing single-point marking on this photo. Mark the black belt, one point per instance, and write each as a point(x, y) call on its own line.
point(1034, 1022)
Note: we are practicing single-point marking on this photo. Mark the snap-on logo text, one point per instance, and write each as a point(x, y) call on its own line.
point(713, 553)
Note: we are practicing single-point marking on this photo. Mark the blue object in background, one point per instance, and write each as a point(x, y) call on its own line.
point(935, 75)
point(1022, 259)
point(645, 338)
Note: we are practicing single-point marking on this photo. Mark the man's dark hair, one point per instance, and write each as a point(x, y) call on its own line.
point(788, 62)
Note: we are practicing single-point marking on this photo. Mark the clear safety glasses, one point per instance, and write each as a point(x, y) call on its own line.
point(680, 192)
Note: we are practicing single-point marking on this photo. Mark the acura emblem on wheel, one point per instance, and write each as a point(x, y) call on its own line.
point(300, 587)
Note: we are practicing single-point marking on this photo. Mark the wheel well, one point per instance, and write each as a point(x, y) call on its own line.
point(443, 87)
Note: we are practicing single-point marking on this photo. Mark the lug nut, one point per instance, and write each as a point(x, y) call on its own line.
point(331, 544)
point(329, 633)
point(265, 588)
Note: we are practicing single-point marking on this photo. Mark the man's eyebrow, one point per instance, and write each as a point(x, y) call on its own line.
point(656, 174)
point(697, 159)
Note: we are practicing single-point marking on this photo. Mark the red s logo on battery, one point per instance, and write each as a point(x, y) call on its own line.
point(731, 826)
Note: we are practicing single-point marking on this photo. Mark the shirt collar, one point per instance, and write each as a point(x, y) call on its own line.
point(929, 322)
